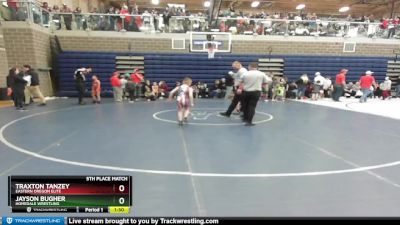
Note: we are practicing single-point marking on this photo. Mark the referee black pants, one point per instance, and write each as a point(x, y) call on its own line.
point(250, 100)
point(236, 99)
point(81, 87)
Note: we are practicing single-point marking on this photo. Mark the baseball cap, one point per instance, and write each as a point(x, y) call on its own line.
point(344, 70)
point(369, 72)
point(317, 74)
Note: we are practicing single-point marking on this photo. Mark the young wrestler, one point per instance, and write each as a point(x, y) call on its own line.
point(184, 99)
point(96, 89)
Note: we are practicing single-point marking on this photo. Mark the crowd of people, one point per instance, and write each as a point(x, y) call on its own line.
point(134, 87)
point(125, 87)
point(181, 20)
point(323, 87)
point(23, 87)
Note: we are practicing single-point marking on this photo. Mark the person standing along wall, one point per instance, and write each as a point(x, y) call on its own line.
point(137, 78)
point(116, 85)
point(34, 85)
point(18, 86)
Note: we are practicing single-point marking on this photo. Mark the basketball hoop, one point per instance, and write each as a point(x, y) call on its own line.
point(211, 46)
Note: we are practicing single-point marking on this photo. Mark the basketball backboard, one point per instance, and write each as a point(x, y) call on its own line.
point(200, 41)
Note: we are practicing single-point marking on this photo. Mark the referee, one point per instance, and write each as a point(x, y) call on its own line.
point(252, 82)
point(80, 82)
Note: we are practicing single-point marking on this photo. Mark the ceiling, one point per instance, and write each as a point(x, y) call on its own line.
point(326, 7)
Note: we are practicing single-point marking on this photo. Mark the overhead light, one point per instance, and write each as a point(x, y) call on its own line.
point(300, 7)
point(255, 4)
point(207, 4)
point(344, 9)
point(155, 2)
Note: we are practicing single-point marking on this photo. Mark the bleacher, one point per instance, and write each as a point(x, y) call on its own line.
point(173, 67)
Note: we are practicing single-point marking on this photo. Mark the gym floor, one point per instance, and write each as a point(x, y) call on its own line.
point(299, 160)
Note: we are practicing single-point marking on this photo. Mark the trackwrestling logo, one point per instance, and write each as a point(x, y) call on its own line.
point(33, 220)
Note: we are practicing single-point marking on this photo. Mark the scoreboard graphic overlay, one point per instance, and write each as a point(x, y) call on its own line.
point(74, 194)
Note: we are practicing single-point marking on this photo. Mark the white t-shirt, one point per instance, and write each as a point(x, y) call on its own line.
point(237, 76)
point(28, 79)
point(387, 85)
point(319, 78)
point(123, 83)
point(253, 80)
point(327, 84)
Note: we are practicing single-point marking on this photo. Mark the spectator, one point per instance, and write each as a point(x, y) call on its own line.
point(125, 12)
point(18, 86)
point(377, 93)
point(148, 94)
point(302, 86)
point(280, 91)
point(146, 17)
point(223, 87)
point(78, 18)
point(348, 90)
point(116, 85)
point(340, 83)
point(327, 86)
point(27, 94)
point(130, 88)
point(13, 6)
point(318, 86)
point(56, 17)
point(10, 84)
point(392, 28)
point(292, 91)
point(113, 19)
point(123, 81)
point(229, 82)
point(216, 91)
point(45, 12)
point(137, 78)
point(203, 90)
point(67, 16)
point(357, 89)
point(387, 88)
point(155, 90)
point(34, 89)
point(163, 88)
point(366, 83)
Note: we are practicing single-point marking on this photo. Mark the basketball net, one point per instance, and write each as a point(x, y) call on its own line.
point(211, 49)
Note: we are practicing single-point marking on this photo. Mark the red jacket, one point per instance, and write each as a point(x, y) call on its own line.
point(136, 78)
point(125, 12)
point(385, 24)
point(340, 78)
point(366, 81)
point(115, 82)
